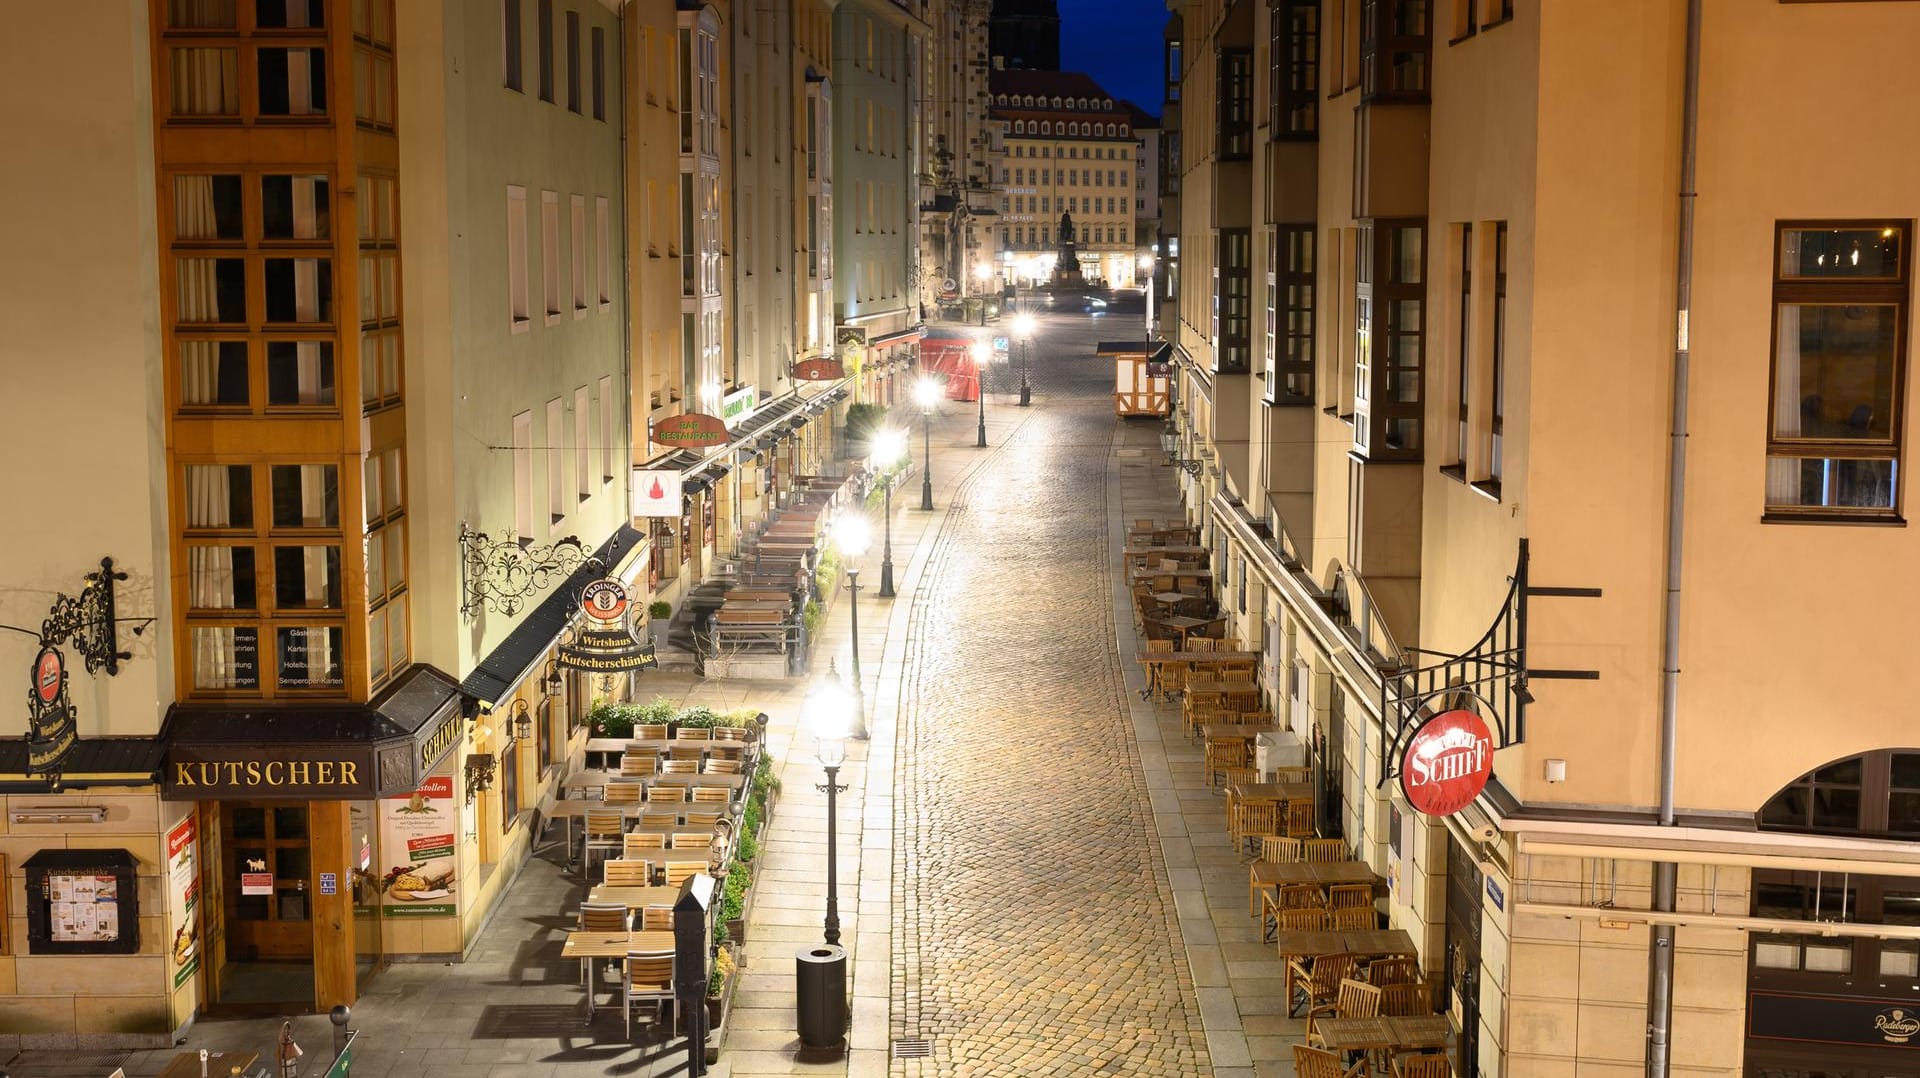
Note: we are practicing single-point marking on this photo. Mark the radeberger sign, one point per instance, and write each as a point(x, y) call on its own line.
point(1447, 763)
point(694, 430)
point(819, 370)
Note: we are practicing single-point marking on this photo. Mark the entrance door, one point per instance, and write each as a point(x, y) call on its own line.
point(1464, 889)
point(265, 852)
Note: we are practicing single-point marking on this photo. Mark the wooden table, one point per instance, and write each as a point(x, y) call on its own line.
point(1185, 626)
point(1277, 793)
point(1197, 658)
point(1365, 943)
point(1373, 1034)
point(634, 898)
point(1197, 576)
point(1278, 874)
point(219, 1064)
point(1205, 686)
point(587, 946)
point(1136, 552)
point(1226, 730)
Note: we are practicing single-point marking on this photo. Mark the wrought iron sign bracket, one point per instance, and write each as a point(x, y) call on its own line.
point(1191, 467)
point(88, 621)
point(500, 574)
point(1490, 678)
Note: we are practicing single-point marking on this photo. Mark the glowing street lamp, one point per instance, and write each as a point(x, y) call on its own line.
point(1023, 326)
point(853, 536)
point(982, 352)
point(827, 711)
point(889, 448)
point(926, 394)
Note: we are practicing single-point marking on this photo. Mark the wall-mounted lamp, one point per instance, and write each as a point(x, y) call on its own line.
point(480, 768)
point(1556, 771)
point(553, 682)
point(521, 723)
point(95, 814)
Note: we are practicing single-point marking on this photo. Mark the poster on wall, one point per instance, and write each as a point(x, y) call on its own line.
point(417, 845)
point(183, 898)
point(365, 881)
point(84, 909)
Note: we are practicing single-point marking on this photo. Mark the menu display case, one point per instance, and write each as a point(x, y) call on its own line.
point(82, 902)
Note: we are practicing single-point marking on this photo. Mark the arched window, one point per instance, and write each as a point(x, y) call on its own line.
point(1057, 104)
point(1019, 127)
point(1110, 129)
point(1874, 794)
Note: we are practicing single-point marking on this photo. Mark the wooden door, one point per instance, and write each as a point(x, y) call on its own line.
point(270, 839)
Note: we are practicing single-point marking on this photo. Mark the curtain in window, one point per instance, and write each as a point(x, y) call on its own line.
point(200, 14)
point(307, 370)
point(213, 658)
point(210, 570)
point(209, 496)
point(206, 81)
point(194, 216)
point(313, 494)
point(306, 216)
point(300, 83)
point(199, 372)
point(1783, 473)
point(196, 280)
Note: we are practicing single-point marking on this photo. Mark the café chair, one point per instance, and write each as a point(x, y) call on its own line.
point(1299, 823)
point(667, 795)
point(1353, 919)
point(605, 831)
point(664, 820)
point(703, 818)
point(1318, 977)
point(641, 764)
point(649, 979)
point(1352, 999)
point(644, 844)
point(1386, 971)
point(717, 766)
point(621, 872)
point(1422, 1065)
point(678, 766)
point(679, 871)
point(1222, 753)
point(651, 731)
point(698, 733)
point(1349, 896)
point(1319, 1063)
point(623, 793)
point(1411, 1000)
point(1252, 822)
point(730, 733)
point(1293, 774)
point(1323, 850)
point(656, 919)
point(691, 750)
point(1288, 919)
point(603, 917)
point(1242, 776)
point(712, 795)
point(1279, 849)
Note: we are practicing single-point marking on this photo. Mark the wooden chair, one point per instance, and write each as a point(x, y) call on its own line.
point(1351, 999)
point(621, 872)
point(639, 764)
point(603, 918)
point(721, 767)
point(1275, 918)
point(1223, 753)
point(679, 871)
point(1318, 978)
point(655, 919)
point(649, 978)
point(1422, 1065)
point(1299, 822)
point(699, 733)
point(1319, 1063)
point(656, 731)
point(725, 749)
point(1195, 715)
point(690, 750)
point(1342, 896)
point(1320, 851)
point(1199, 643)
point(1237, 670)
point(730, 733)
point(667, 795)
point(712, 795)
point(1386, 971)
point(645, 845)
point(1140, 525)
point(680, 767)
point(664, 820)
point(703, 818)
point(1293, 774)
point(1353, 919)
point(1252, 822)
point(623, 793)
point(605, 831)
point(1412, 1000)
point(1279, 849)
point(1242, 776)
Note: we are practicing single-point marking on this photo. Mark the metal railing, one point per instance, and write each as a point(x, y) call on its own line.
point(1360, 615)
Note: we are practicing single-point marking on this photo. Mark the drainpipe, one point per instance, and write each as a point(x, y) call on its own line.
point(1666, 873)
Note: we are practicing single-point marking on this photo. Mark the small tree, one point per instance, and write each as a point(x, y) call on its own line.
point(862, 420)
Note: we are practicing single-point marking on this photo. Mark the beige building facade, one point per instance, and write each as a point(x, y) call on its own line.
point(1457, 226)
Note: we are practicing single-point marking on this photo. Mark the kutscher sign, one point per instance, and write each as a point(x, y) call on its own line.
point(1447, 763)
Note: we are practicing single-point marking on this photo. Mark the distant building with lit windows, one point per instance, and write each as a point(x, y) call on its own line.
point(1064, 146)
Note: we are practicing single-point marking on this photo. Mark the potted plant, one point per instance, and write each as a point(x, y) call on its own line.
point(658, 612)
point(724, 968)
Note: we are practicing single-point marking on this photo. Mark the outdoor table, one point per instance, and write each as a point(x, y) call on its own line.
point(1186, 626)
point(1171, 598)
point(1222, 687)
point(592, 778)
point(1136, 552)
point(587, 946)
point(1278, 793)
point(1198, 576)
point(1225, 730)
point(634, 898)
point(1383, 1033)
point(1321, 874)
point(219, 1064)
point(1198, 658)
point(1364, 943)
point(569, 810)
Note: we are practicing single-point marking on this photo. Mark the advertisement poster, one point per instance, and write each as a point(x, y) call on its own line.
point(84, 909)
point(183, 898)
point(417, 845)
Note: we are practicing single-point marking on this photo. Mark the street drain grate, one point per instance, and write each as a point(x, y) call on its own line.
point(912, 1048)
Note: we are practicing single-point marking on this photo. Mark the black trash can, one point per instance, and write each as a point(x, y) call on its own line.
point(820, 988)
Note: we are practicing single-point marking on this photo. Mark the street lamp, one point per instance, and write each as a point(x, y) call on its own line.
point(1146, 287)
point(926, 393)
point(982, 271)
point(982, 352)
point(1023, 326)
point(889, 446)
point(853, 536)
point(827, 710)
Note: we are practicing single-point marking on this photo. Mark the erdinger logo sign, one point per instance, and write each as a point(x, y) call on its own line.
point(1447, 763)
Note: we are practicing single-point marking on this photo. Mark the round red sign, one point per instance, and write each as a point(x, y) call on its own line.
point(1447, 763)
point(47, 672)
point(604, 600)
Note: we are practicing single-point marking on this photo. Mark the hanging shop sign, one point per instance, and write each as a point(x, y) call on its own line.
point(739, 404)
point(604, 600)
point(608, 649)
point(49, 714)
point(851, 344)
point(656, 493)
point(819, 370)
point(1447, 763)
point(694, 430)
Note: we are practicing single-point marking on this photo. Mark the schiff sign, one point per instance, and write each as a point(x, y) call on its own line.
point(694, 430)
point(1447, 763)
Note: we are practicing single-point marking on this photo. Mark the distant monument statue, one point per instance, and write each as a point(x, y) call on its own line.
point(1066, 264)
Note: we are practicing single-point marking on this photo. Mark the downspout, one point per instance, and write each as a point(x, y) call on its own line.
point(1666, 873)
point(626, 277)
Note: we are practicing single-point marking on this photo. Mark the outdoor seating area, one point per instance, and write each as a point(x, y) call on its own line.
point(1369, 1007)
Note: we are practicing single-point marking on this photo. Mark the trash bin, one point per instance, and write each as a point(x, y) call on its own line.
point(820, 987)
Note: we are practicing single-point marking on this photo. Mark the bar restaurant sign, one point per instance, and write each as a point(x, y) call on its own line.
point(604, 643)
point(694, 430)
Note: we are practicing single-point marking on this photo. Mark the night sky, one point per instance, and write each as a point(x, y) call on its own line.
point(1119, 43)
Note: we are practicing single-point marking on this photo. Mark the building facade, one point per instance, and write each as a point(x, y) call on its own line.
point(1067, 150)
point(1426, 355)
point(957, 207)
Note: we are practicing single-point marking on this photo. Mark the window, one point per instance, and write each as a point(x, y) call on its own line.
point(550, 252)
point(213, 374)
point(608, 434)
point(523, 476)
point(604, 270)
point(510, 43)
point(543, 43)
point(1236, 104)
point(577, 242)
point(1294, 69)
point(554, 450)
point(293, 81)
point(1233, 302)
point(1840, 308)
point(1294, 284)
point(599, 73)
point(518, 318)
point(582, 466)
point(1494, 12)
point(299, 289)
point(573, 61)
point(293, 207)
point(1494, 464)
point(386, 565)
point(1465, 18)
point(1396, 40)
point(1463, 357)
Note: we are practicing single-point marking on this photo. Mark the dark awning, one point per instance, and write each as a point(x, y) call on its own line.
point(94, 761)
point(312, 751)
point(502, 669)
point(1162, 351)
point(768, 416)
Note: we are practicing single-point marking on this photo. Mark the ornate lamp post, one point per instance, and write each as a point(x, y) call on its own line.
point(982, 352)
point(889, 448)
point(1023, 326)
point(853, 536)
point(827, 709)
point(1146, 286)
point(981, 272)
point(926, 393)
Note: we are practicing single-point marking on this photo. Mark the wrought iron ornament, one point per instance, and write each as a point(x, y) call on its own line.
point(499, 574)
point(87, 621)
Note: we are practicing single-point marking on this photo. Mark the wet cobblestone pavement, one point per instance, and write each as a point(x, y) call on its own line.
point(1035, 930)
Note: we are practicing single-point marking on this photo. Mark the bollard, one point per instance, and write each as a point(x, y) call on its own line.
point(340, 1016)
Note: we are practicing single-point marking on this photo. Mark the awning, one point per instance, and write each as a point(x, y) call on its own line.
point(902, 337)
point(94, 761)
point(502, 669)
point(1162, 351)
point(313, 752)
point(767, 418)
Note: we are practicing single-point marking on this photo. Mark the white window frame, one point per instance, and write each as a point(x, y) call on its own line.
point(582, 466)
point(523, 476)
point(519, 319)
point(555, 451)
point(577, 238)
point(609, 437)
point(550, 253)
point(602, 218)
